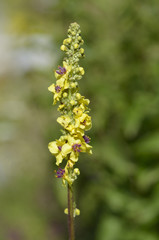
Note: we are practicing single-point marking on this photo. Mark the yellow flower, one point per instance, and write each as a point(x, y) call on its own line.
point(86, 147)
point(58, 88)
point(64, 121)
point(71, 128)
point(83, 122)
point(78, 111)
point(61, 106)
point(69, 164)
point(63, 72)
point(78, 144)
point(60, 148)
point(84, 101)
point(62, 75)
point(75, 147)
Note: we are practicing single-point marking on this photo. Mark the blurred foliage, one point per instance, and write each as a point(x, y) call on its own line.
point(118, 189)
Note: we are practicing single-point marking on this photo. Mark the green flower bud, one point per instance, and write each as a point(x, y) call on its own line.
point(63, 48)
point(67, 41)
point(73, 85)
point(81, 50)
point(79, 38)
point(78, 96)
point(77, 212)
point(77, 171)
point(81, 70)
point(66, 211)
point(65, 94)
point(76, 46)
point(72, 102)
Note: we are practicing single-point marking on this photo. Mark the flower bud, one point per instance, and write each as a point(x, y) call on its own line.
point(81, 50)
point(72, 102)
point(63, 48)
point(78, 96)
point(70, 164)
point(65, 94)
point(73, 85)
point(73, 33)
point(77, 212)
point(81, 70)
point(77, 171)
point(64, 41)
point(76, 45)
point(67, 41)
point(61, 106)
point(66, 211)
point(79, 38)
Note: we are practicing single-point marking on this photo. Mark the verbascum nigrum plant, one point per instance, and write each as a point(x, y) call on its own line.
point(74, 117)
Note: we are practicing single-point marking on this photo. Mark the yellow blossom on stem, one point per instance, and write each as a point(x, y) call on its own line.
point(74, 114)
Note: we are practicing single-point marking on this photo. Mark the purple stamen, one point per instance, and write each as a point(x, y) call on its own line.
point(60, 173)
point(84, 122)
point(86, 139)
point(57, 88)
point(60, 147)
point(76, 147)
point(61, 70)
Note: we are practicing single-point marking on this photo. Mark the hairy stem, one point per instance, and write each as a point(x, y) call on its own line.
point(70, 214)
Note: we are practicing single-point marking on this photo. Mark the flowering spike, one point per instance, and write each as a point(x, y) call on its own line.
point(73, 108)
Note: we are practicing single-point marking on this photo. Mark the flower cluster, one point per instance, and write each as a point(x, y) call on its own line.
point(73, 108)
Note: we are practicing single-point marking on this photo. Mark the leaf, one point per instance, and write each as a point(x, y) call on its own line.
point(148, 144)
point(147, 177)
point(117, 159)
point(110, 228)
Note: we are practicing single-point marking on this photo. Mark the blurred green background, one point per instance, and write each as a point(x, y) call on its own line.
point(118, 189)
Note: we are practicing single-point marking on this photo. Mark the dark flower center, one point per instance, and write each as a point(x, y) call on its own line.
point(76, 147)
point(84, 122)
point(60, 147)
point(60, 172)
point(86, 139)
point(61, 70)
point(57, 88)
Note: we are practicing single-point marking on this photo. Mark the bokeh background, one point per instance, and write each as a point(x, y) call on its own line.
point(118, 189)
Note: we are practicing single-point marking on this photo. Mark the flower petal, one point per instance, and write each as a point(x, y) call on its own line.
point(66, 149)
point(74, 156)
point(53, 147)
point(59, 159)
point(51, 88)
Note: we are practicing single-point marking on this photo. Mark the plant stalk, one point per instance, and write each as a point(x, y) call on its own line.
point(70, 214)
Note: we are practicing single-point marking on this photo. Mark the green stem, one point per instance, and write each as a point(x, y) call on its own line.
point(70, 214)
